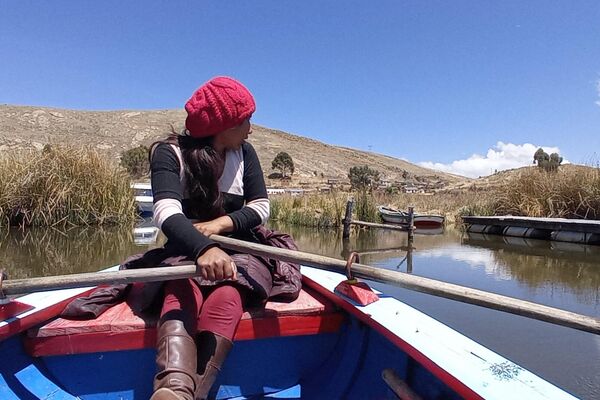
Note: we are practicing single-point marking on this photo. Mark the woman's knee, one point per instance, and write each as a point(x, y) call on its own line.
point(222, 311)
point(227, 299)
point(182, 300)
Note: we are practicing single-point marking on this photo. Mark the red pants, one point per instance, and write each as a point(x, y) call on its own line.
point(216, 309)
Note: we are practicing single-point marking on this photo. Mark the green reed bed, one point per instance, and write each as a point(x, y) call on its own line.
point(569, 193)
point(63, 186)
point(365, 207)
point(327, 210)
point(452, 205)
point(324, 210)
point(317, 210)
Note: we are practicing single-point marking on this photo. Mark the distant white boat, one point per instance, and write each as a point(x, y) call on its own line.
point(143, 197)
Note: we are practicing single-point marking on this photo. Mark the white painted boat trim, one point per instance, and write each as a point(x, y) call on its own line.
point(44, 300)
point(474, 365)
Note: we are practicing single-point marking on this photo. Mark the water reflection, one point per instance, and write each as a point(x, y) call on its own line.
point(145, 232)
point(38, 252)
point(562, 275)
point(330, 243)
point(537, 264)
point(544, 264)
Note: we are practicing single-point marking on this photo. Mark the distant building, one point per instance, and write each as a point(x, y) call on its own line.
point(275, 191)
point(385, 183)
point(295, 192)
point(289, 191)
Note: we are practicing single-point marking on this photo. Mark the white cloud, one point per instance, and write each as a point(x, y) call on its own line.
point(475, 258)
point(502, 156)
point(598, 90)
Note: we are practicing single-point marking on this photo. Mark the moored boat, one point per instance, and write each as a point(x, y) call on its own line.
point(143, 197)
point(394, 216)
point(321, 346)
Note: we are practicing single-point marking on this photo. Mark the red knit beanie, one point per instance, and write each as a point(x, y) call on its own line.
point(218, 105)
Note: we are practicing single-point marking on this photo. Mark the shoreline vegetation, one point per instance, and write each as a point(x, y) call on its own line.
point(531, 192)
point(63, 186)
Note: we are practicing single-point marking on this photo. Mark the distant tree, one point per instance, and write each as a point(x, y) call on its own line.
point(547, 162)
point(135, 161)
point(555, 161)
point(363, 178)
point(391, 190)
point(540, 155)
point(284, 163)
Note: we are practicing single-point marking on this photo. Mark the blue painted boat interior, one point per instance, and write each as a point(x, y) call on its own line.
point(343, 365)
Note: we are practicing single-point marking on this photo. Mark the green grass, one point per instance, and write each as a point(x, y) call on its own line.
point(319, 210)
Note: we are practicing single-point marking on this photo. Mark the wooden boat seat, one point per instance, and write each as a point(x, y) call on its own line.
point(120, 329)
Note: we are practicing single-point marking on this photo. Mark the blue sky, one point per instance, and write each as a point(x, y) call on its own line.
point(462, 86)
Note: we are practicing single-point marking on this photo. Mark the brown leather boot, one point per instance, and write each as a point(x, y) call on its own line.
point(176, 362)
point(212, 352)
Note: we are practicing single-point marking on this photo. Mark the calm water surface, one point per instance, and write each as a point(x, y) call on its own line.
point(556, 274)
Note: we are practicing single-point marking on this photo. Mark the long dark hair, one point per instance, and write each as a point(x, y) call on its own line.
point(203, 166)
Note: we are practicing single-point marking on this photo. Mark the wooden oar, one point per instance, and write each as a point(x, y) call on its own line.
point(23, 286)
point(412, 282)
point(424, 285)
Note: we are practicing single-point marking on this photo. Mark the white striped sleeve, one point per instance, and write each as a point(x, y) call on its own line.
point(262, 207)
point(165, 208)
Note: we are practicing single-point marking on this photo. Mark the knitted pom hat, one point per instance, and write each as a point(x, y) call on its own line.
point(218, 105)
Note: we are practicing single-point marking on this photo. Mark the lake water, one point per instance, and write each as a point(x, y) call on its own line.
point(557, 274)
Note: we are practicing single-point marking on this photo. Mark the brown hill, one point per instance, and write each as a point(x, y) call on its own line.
point(112, 132)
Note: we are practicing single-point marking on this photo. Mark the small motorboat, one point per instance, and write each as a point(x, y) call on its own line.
point(143, 197)
point(393, 216)
point(321, 346)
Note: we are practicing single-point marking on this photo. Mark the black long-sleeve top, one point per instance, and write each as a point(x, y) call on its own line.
point(242, 186)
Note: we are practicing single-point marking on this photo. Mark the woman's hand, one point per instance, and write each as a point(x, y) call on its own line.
point(216, 265)
point(216, 226)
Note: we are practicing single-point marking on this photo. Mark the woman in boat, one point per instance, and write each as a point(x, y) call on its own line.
point(207, 180)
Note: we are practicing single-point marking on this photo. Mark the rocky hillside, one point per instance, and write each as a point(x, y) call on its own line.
point(112, 132)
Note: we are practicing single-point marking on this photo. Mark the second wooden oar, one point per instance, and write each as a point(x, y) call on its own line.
point(425, 285)
point(412, 282)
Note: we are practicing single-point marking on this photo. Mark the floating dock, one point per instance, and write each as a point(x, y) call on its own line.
point(559, 229)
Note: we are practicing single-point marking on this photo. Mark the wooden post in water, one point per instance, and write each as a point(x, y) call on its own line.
point(348, 218)
point(411, 225)
point(409, 264)
point(346, 250)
